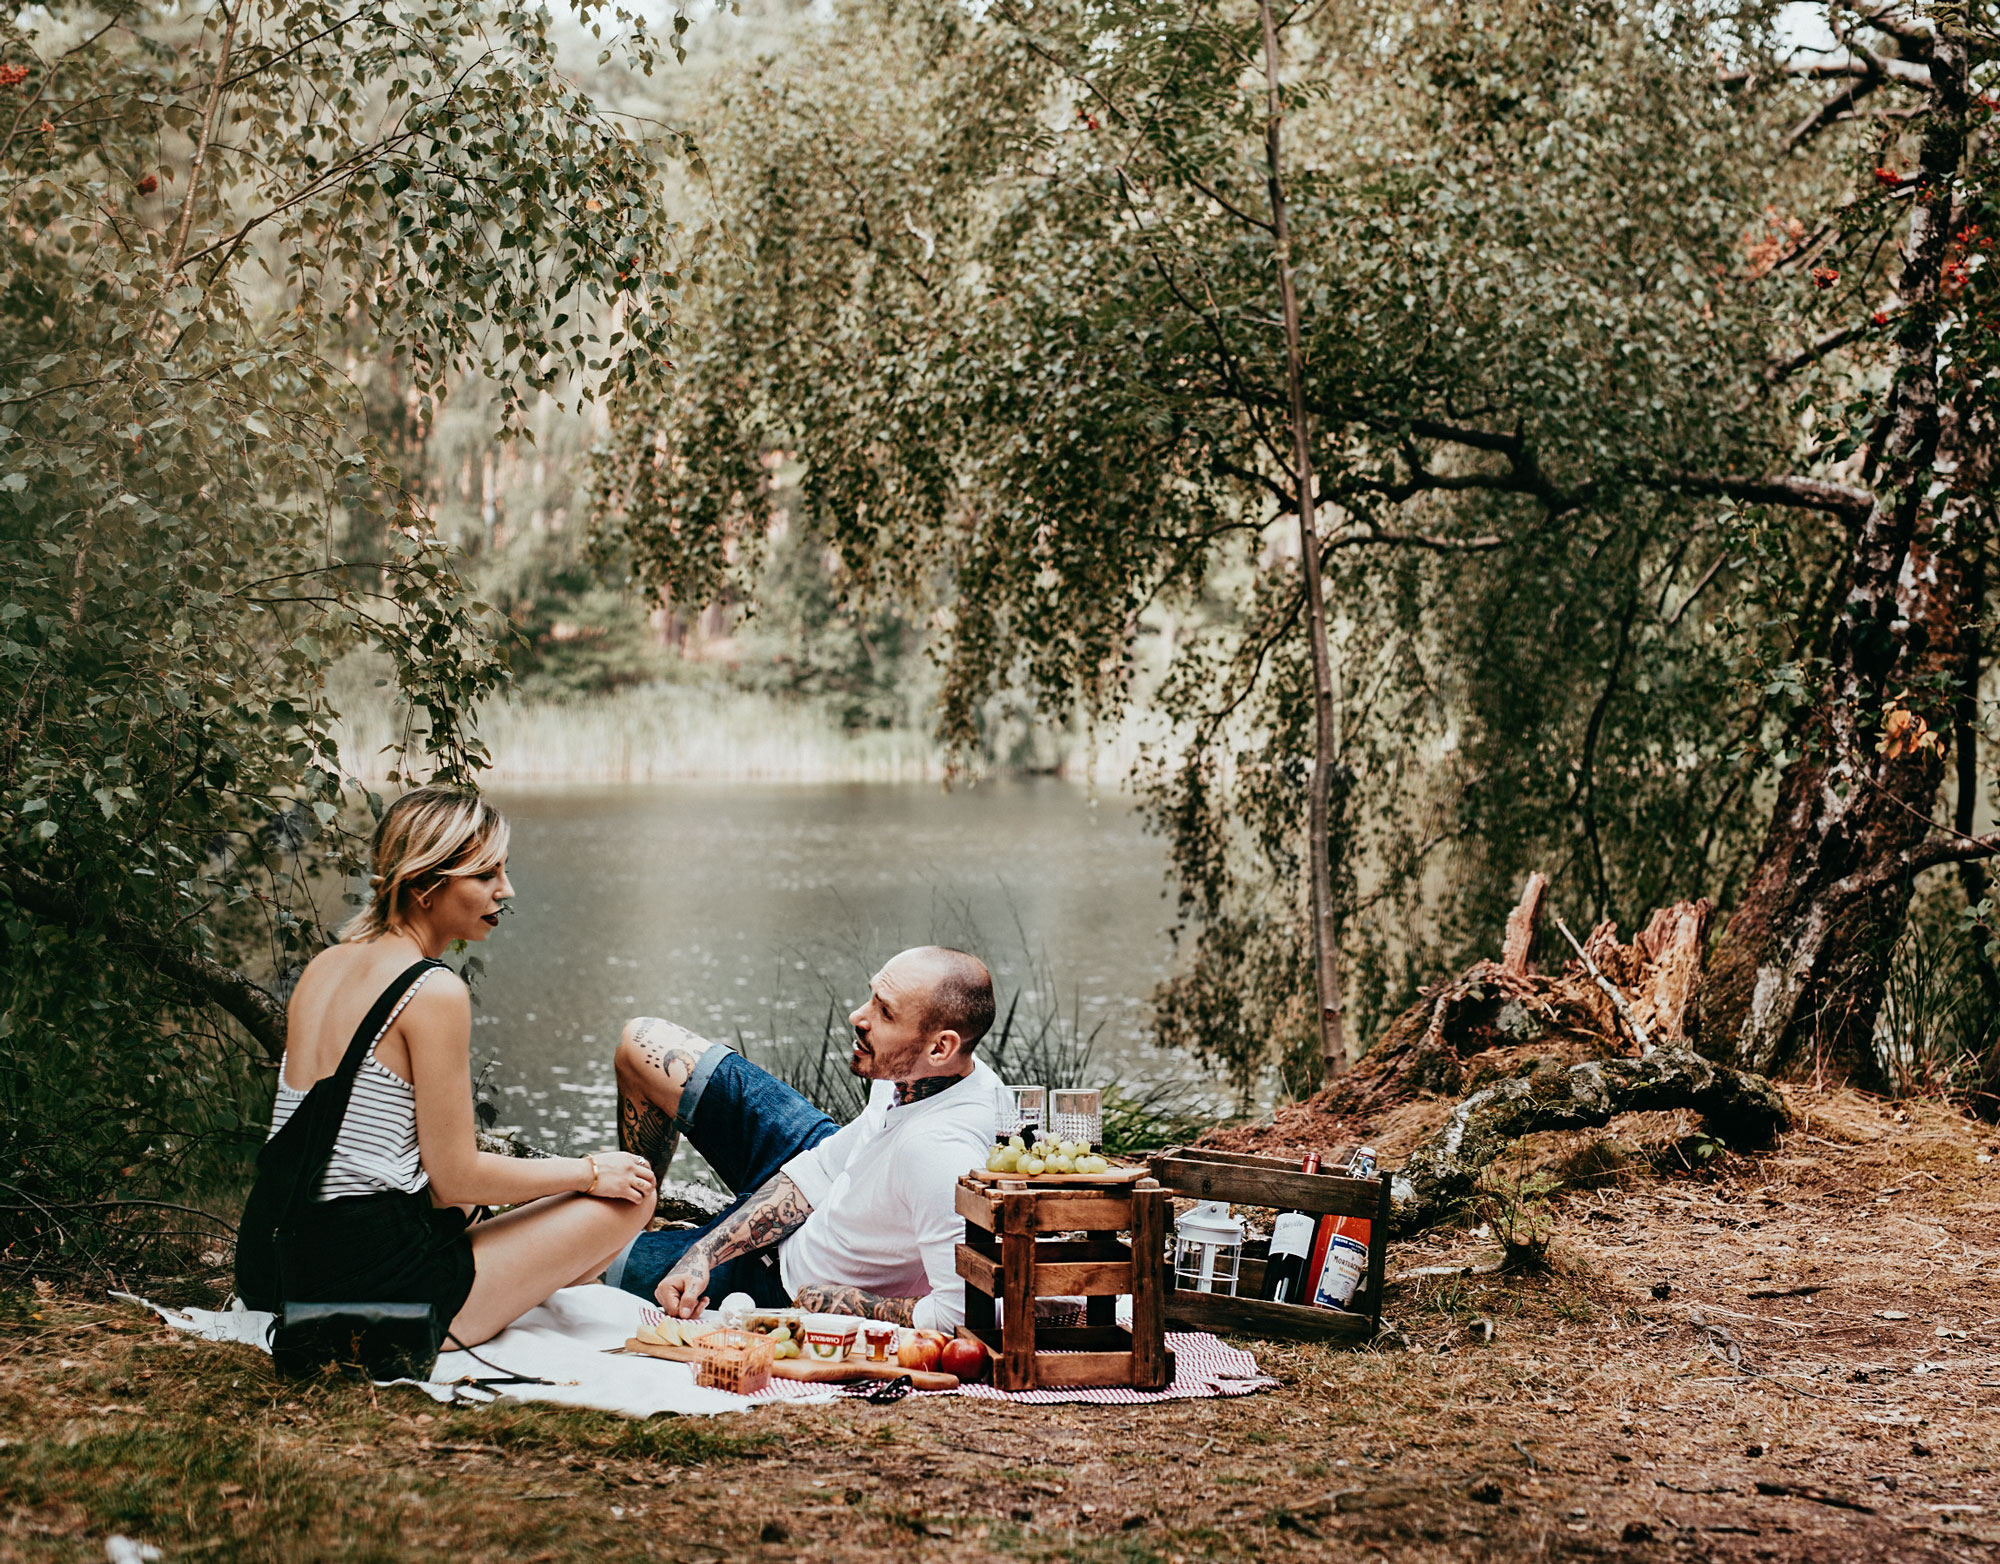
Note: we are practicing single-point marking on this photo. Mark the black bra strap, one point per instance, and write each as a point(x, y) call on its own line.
point(377, 1019)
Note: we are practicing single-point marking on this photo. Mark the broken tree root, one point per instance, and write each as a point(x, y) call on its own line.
point(1741, 1108)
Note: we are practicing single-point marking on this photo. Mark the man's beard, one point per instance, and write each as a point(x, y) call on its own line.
point(867, 1063)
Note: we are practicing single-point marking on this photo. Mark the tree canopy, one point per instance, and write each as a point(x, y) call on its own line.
point(224, 225)
point(1596, 302)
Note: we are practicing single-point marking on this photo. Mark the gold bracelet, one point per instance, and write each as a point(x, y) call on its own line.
point(592, 1160)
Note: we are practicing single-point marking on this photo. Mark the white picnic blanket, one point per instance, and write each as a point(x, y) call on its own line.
point(570, 1340)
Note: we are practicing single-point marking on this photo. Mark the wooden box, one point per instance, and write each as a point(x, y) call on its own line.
point(1276, 1183)
point(1015, 1251)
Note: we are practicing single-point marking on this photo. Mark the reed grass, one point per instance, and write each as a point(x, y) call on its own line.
point(704, 730)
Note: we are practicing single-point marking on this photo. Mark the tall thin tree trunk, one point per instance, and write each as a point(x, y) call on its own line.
point(1325, 928)
point(1796, 980)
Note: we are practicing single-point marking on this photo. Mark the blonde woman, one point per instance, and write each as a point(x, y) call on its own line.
point(364, 1197)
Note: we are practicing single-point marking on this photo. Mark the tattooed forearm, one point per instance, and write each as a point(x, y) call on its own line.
point(852, 1300)
point(769, 1217)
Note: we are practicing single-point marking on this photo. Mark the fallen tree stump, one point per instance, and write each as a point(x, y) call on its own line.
point(1439, 1175)
point(1528, 1051)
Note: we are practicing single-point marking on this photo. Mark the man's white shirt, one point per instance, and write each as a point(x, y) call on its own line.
point(883, 1214)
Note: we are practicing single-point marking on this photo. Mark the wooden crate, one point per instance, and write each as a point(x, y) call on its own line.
point(1014, 1250)
point(1277, 1183)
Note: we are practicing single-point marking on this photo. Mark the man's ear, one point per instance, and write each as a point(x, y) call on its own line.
point(946, 1045)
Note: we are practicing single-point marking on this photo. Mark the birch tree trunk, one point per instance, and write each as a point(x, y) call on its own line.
point(1325, 929)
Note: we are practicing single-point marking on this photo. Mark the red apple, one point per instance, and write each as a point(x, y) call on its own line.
point(966, 1359)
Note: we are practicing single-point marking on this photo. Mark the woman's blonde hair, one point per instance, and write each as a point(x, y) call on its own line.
point(425, 838)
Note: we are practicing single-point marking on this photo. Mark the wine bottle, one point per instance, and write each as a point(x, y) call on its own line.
point(1340, 1250)
point(1291, 1249)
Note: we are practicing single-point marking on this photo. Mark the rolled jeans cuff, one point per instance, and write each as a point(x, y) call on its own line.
point(697, 1083)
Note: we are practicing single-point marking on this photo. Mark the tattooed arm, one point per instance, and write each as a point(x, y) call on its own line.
point(852, 1300)
point(768, 1217)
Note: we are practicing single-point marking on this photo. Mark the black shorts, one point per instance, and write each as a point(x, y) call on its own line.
point(387, 1248)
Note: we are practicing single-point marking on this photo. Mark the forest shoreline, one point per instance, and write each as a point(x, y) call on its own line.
point(669, 732)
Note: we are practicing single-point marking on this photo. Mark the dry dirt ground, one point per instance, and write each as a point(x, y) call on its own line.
point(1791, 1355)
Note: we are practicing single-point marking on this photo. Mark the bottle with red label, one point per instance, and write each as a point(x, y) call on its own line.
point(1340, 1248)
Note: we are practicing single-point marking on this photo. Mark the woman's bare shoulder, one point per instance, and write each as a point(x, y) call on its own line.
point(441, 994)
point(332, 968)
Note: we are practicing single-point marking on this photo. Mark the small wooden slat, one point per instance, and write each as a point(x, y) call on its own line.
point(1378, 1244)
point(1084, 1368)
point(975, 1205)
point(1316, 1194)
point(1151, 1364)
point(1254, 1317)
point(1240, 1159)
point(979, 1270)
point(1111, 1178)
point(1084, 1278)
point(1065, 1212)
point(1014, 1368)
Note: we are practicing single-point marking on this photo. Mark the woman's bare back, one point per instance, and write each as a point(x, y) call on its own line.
point(334, 995)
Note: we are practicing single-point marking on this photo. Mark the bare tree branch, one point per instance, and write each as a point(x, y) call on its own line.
point(1836, 107)
point(208, 981)
point(1801, 493)
point(201, 143)
point(1792, 363)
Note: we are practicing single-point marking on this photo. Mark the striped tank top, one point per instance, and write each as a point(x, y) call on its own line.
point(376, 1150)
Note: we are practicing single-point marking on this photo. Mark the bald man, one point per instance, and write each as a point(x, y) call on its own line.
point(849, 1220)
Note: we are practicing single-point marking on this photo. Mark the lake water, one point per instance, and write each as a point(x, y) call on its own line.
point(741, 910)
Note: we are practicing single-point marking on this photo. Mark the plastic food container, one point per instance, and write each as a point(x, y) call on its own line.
point(761, 1322)
point(828, 1337)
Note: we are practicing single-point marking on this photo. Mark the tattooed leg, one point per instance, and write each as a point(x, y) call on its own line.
point(652, 1065)
point(647, 1132)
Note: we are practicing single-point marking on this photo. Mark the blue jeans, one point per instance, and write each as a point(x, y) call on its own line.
point(748, 1124)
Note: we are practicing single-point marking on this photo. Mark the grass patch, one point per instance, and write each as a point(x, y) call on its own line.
point(666, 1441)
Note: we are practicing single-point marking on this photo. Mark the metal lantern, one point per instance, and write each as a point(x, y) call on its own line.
point(1208, 1249)
point(1022, 1108)
point(1078, 1114)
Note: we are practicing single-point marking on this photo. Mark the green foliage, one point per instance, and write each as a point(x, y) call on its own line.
point(1514, 1201)
point(1005, 289)
point(212, 214)
point(1938, 1032)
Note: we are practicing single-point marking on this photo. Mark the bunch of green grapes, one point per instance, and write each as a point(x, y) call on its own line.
point(1045, 1156)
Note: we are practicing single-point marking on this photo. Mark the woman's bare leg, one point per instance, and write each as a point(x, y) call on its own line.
point(533, 1251)
point(652, 1063)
